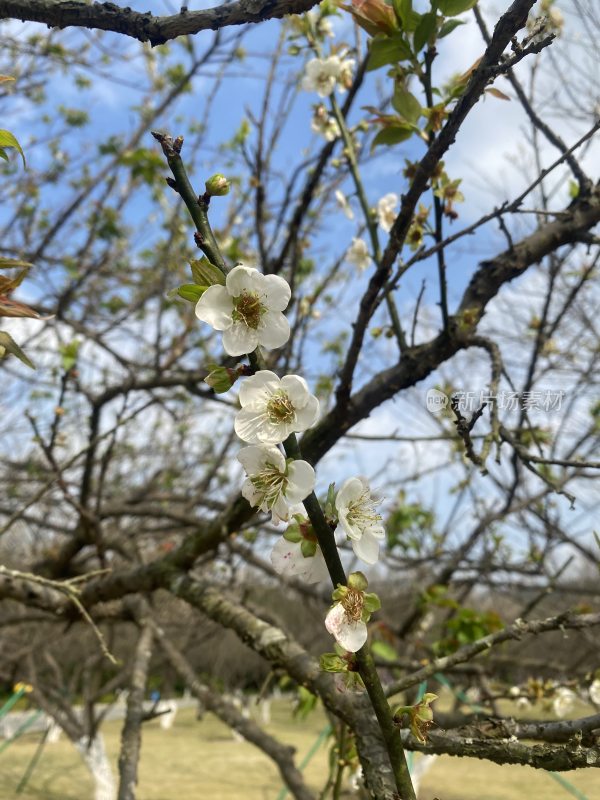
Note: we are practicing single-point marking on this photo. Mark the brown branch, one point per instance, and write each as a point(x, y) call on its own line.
point(281, 754)
point(507, 26)
point(553, 732)
point(131, 735)
point(517, 630)
point(419, 362)
point(144, 26)
point(281, 650)
point(542, 756)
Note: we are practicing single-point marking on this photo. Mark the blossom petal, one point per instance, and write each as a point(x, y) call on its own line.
point(274, 330)
point(344, 526)
point(241, 279)
point(301, 481)
point(254, 458)
point(287, 557)
point(254, 389)
point(251, 493)
point(215, 307)
point(254, 427)
point(352, 489)
point(248, 424)
point(280, 512)
point(276, 291)
point(239, 339)
point(297, 390)
point(350, 635)
point(377, 530)
point(317, 568)
point(307, 416)
point(366, 548)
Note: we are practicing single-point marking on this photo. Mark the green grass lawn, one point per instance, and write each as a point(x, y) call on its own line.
point(200, 761)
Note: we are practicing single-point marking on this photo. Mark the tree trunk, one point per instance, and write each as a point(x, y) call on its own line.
point(96, 760)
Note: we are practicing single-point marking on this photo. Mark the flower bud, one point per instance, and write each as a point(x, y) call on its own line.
point(221, 379)
point(331, 662)
point(357, 580)
point(218, 185)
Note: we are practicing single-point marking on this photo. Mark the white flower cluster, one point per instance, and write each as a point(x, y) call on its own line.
point(323, 75)
point(324, 124)
point(248, 309)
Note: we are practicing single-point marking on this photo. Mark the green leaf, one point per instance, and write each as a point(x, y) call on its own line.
point(406, 104)
point(3, 154)
point(308, 548)
point(403, 10)
point(425, 30)
point(388, 50)
point(393, 135)
point(191, 291)
point(68, 353)
point(10, 263)
point(450, 8)
point(292, 534)
point(407, 18)
point(205, 273)
point(372, 603)
point(8, 140)
point(357, 580)
point(8, 345)
point(449, 26)
point(384, 651)
point(221, 379)
point(331, 662)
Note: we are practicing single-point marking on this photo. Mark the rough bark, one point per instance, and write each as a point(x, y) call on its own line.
point(281, 754)
point(144, 26)
point(131, 736)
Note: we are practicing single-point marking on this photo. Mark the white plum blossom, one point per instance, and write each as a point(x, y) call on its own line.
point(387, 210)
point(273, 407)
point(347, 618)
point(273, 484)
point(324, 124)
point(289, 560)
point(322, 25)
point(358, 254)
point(297, 554)
point(358, 519)
point(248, 310)
point(344, 204)
point(594, 691)
point(564, 701)
point(321, 74)
point(556, 18)
point(344, 622)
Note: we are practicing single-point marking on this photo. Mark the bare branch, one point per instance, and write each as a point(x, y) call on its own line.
point(144, 26)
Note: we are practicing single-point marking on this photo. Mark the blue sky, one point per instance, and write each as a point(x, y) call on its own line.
point(488, 155)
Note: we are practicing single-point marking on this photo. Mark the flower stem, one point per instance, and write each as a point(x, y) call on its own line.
point(366, 665)
point(323, 532)
point(197, 205)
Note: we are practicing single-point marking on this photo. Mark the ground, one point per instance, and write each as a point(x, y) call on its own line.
point(200, 761)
